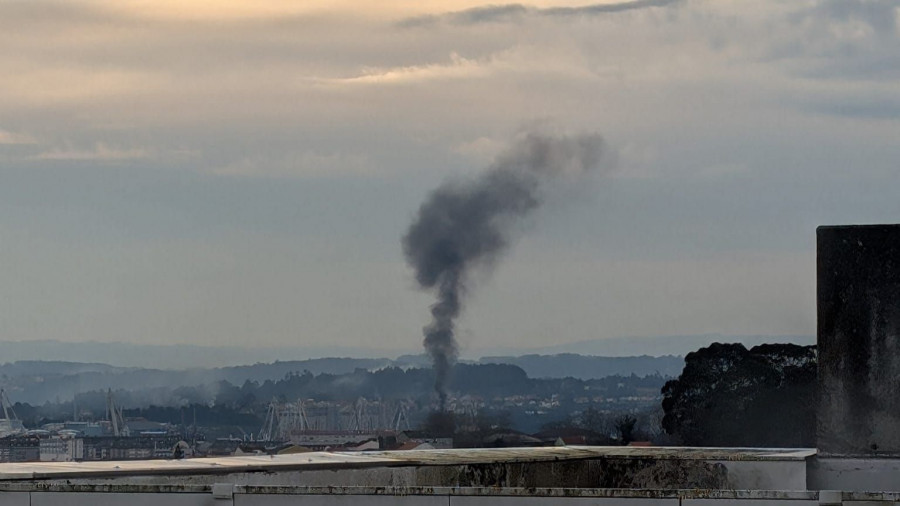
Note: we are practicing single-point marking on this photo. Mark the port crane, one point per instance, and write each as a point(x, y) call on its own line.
point(114, 414)
point(9, 425)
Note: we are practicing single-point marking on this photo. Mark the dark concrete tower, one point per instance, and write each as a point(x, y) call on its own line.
point(859, 340)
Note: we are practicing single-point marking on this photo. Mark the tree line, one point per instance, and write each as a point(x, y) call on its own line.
point(728, 395)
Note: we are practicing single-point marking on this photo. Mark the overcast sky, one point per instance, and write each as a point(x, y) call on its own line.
point(242, 172)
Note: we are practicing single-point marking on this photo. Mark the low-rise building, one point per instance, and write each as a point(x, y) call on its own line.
point(418, 436)
point(20, 449)
point(322, 440)
point(61, 449)
point(130, 448)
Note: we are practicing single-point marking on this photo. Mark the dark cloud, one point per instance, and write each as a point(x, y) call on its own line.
point(842, 40)
point(872, 108)
point(879, 64)
point(881, 15)
point(514, 12)
point(588, 10)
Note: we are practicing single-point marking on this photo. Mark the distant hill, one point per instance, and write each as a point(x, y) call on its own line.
point(278, 370)
point(38, 381)
point(55, 367)
point(185, 356)
point(657, 346)
point(41, 381)
point(174, 356)
point(588, 366)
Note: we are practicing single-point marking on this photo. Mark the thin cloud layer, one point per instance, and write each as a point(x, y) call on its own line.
point(277, 151)
point(457, 68)
point(516, 12)
point(99, 152)
point(299, 165)
point(13, 138)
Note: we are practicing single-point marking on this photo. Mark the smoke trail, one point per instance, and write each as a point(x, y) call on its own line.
point(466, 224)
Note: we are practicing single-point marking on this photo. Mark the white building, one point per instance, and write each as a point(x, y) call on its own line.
point(62, 449)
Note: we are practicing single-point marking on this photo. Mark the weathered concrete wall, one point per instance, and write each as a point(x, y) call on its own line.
point(223, 494)
point(15, 499)
point(768, 475)
point(589, 473)
point(577, 467)
point(859, 340)
point(854, 474)
point(119, 499)
point(550, 501)
point(338, 500)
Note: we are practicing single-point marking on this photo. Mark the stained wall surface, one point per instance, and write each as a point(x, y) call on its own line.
point(614, 467)
point(854, 474)
point(859, 340)
point(237, 495)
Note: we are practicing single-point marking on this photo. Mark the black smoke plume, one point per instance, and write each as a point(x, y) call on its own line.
point(466, 224)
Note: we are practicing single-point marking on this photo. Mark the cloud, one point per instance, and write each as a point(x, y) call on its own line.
point(99, 152)
point(300, 164)
point(866, 108)
point(34, 85)
point(880, 15)
point(741, 125)
point(457, 68)
point(481, 150)
point(605, 7)
point(514, 12)
point(12, 138)
point(487, 14)
point(524, 61)
point(848, 40)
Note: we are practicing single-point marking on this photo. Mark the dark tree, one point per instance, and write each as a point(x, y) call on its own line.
point(730, 396)
point(625, 428)
point(593, 420)
point(488, 421)
point(440, 424)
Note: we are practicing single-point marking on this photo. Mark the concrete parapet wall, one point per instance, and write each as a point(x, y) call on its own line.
point(644, 473)
point(565, 467)
point(227, 494)
point(238, 495)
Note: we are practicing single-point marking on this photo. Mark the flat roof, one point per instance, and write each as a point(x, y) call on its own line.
point(355, 460)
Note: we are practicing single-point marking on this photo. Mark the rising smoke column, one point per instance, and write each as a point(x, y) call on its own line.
point(466, 224)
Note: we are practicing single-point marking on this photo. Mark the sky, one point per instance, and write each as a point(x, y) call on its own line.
point(242, 172)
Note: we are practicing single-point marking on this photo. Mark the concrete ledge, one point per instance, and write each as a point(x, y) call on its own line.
point(547, 467)
point(229, 489)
